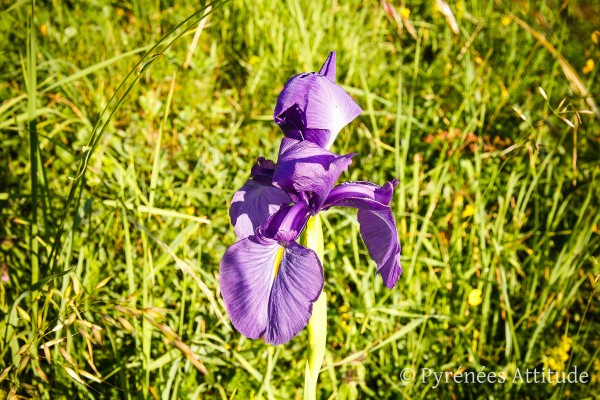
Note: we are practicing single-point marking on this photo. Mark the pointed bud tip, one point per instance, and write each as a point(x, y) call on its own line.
point(328, 68)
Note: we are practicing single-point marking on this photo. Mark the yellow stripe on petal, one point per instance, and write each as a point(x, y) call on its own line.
point(277, 263)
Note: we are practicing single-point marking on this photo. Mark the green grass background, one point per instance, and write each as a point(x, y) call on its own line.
point(113, 223)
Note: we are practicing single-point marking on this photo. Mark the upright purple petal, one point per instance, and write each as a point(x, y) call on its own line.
point(268, 289)
point(328, 68)
point(252, 205)
point(308, 169)
point(378, 230)
point(313, 107)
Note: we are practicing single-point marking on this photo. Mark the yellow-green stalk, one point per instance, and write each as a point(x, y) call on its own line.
point(317, 326)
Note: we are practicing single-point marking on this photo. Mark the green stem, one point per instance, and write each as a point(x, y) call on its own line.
point(33, 163)
point(317, 326)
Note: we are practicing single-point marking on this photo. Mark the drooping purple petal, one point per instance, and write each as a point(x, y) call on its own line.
point(246, 277)
point(309, 170)
point(268, 289)
point(328, 68)
point(378, 230)
point(377, 225)
point(297, 286)
point(287, 223)
point(252, 205)
point(313, 107)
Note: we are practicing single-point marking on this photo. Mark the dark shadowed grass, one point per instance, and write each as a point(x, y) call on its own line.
point(113, 224)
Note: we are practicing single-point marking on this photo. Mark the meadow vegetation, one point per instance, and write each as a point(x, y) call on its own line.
point(124, 136)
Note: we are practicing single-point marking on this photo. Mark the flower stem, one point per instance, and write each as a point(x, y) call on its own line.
point(317, 326)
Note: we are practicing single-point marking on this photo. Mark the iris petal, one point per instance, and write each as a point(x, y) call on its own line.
point(286, 224)
point(304, 167)
point(361, 190)
point(262, 170)
point(252, 205)
point(267, 296)
point(297, 286)
point(246, 278)
point(378, 230)
point(313, 107)
point(377, 225)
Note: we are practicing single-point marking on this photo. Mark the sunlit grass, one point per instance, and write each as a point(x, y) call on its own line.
point(114, 222)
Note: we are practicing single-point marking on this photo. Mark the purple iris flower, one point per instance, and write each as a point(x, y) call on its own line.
point(269, 282)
